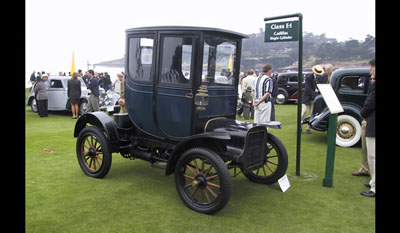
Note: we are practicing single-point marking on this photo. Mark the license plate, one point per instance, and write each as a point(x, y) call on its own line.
point(110, 108)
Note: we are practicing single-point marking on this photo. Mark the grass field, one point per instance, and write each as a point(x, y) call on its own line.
point(134, 197)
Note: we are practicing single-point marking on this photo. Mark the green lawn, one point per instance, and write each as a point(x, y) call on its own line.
point(134, 197)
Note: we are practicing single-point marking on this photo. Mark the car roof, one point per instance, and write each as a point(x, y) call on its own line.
point(185, 28)
point(349, 71)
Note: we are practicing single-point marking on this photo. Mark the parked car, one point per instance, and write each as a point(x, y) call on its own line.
point(58, 97)
point(351, 87)
point(288, 87)
point(183, 123)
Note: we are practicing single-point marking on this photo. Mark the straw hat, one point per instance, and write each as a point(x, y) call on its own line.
point(318, 70)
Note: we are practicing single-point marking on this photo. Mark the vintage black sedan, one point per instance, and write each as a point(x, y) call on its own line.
point(287, 84)
point(351, 87)
point(181, 93)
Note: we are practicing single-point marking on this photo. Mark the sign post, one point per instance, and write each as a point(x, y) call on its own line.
point(334, 107)
point(290, 31)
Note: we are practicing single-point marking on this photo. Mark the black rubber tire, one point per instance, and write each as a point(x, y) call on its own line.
point(216, 168)
point(276, 149)
point(93, 138)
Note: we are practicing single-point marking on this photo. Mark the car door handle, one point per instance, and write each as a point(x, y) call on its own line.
point(189, 94)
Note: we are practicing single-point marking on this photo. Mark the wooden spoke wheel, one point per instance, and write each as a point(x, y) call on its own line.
point(93, 153)
point(275, 163)
point(202, 180)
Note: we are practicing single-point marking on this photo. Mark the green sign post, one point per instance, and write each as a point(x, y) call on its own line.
point(334, 106)
point(290, 31)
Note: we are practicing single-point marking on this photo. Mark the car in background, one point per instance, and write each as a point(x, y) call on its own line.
point(58, 97)
point(351, 87)
point(288, 87)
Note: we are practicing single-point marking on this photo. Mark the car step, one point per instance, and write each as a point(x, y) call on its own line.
point(159, 164)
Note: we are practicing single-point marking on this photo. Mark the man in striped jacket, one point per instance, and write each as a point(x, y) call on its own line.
point(262, 89)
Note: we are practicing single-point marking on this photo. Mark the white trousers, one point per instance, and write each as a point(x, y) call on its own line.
point(371, 160)
point(262, 112)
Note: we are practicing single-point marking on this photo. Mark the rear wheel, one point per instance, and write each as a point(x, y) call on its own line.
point(93, 154)
point(202, 180)
point(275, 163)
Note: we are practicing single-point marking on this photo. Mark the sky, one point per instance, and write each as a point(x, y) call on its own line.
point(94, 30)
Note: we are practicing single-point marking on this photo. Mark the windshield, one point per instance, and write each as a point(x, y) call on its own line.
point(219, 56)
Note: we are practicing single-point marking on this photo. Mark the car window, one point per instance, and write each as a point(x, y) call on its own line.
point(176, 59)
point(282, 79)
point(219, 56)
point(293, 78)
point(352, 83)
point(56, 83)
point(140, 58)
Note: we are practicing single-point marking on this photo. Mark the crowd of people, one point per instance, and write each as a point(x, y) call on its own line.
point(93, 81)
point(258, 92)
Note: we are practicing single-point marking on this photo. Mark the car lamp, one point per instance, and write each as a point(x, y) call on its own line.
point(201, 98)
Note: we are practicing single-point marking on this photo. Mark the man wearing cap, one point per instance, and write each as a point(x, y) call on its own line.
point(311, 90)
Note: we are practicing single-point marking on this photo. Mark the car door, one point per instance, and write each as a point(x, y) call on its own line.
point(174, 89)
point(57, 95)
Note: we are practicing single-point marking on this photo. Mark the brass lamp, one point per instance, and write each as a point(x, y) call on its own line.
point(201, 98)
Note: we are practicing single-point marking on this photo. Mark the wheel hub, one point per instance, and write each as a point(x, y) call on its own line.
point(200, 181)
point(92, 152)
point(346, 130)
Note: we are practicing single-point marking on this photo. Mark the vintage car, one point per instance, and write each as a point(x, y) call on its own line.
point(287, 87)
point(351, 87)
point(58, 97)
point(183, 123)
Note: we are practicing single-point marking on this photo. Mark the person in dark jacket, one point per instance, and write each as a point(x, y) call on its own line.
point(93, 85)
point(74, 94)
point(368, 113)
point(311, 90)
point(41, 96)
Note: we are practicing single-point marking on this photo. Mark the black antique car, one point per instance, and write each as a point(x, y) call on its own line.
point(351, 87)
point(181, 93)
point(288, 87)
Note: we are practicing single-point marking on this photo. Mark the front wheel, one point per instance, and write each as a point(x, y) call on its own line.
point(93, 154)
point(275, 163)
point(202, 180)
point(348, 131)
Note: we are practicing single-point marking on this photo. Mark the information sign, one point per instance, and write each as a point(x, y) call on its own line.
point(282, 31)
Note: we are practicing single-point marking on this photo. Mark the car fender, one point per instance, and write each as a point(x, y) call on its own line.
point(102, 120)
point(353, 110)
point(320, 122)
point(215, 141)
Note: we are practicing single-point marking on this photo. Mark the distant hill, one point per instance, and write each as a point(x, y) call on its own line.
point(317, 49)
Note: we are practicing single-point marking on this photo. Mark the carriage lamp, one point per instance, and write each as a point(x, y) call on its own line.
point(201, 99)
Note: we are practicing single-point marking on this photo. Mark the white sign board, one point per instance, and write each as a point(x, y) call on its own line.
point(284, 183)
point(330, 98)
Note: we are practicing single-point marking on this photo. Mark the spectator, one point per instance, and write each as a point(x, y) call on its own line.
point(93, 85)
point(85, 78)
point(41, 96)
point(262, 89)
point(274, 93)
point(328, 72)
point(310, 91)
point(368, 113)
point(117, 84)
point(248, 81)
point(33, 78)
point(74, 94)
point(246, 99)
point(107, 82)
